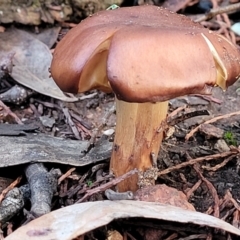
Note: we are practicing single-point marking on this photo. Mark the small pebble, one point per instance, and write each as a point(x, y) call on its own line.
point(108, 132)
point(47, 121)
point(221, 146)
point(211, 131)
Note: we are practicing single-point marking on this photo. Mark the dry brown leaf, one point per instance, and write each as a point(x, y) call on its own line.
point(72, 221)
point(31, 61)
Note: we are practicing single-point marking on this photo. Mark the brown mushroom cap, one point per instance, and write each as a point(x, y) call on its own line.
point(144, 53)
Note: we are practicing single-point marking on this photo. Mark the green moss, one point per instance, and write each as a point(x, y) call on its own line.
point(230, 138)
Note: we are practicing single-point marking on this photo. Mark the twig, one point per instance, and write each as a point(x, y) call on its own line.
point(189, 113)
point(211, 189)
point(9, 228)
point(99, 128)
point(73, 191)
point(10, 187)
point(236, 218)
point(95, 184)
point(98, 167)
point(197, 160)
point(10, 113)
point(228, 214)
point(65, 175)
point(79, 119)
point(34, 109)
point(88, 96)
point(176, 111)
point(82, 129)
point(228, 23)
point(233, 201)
point(220, 10)
point(70, 122)
point(107, 185)
point(194, 188)
point(48, 104)
point(218, 166)
point(208, 98)
point(190, 134)
point(172, 236)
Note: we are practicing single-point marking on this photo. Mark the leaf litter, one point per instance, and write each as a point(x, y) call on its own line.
point(31, 61)
point(181, 170)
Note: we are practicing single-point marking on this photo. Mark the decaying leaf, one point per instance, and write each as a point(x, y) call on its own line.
point(40, 148)
point(163, 194)
point(72, 221)
point(46, 35)
point(31, 62)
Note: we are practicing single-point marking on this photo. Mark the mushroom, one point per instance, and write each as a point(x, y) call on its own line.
point(146, 55)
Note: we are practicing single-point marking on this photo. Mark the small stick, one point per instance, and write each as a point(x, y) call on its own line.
point(176, 111)
point(228, 23)
point(79, 119)
point(84, 130)
point(10, 187)
point(194, 188)
point(236, 218)
point(233, 201)
point(72, 191)
point(98, 167)
point(105, 186)
point(218, 166)
point(211, 189)
point(220, 10)
point(190, 134)
point(228, 214)
point(208, 98)
point(197, 160)
point(71, 123)
point(65, 175)
point(187, 115)
point(48, 104)
point(9, 228)
point(88, 96)
point(10, 113)
point(99, 128)
point(34, 109)
point(172, 236)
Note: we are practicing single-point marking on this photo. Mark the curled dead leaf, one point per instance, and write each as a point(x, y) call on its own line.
point(73, 221)
point(31, 62)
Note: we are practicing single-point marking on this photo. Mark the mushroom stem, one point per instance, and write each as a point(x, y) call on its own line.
point(136, 139)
